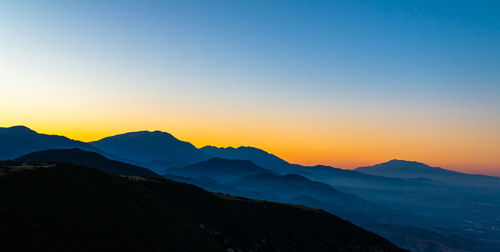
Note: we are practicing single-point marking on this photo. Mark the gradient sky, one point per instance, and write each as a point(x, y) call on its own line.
point(344, 83)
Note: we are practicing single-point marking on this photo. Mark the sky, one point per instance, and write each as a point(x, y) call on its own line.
point(341, 83)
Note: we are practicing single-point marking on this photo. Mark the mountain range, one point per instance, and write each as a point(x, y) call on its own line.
point(434, 207)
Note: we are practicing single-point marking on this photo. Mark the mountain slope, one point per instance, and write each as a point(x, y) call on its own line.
point(68, 207)
point(20, 140)
point(90, 159)
point(220, 169)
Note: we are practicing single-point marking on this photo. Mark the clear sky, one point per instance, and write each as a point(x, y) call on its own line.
point(343, 83)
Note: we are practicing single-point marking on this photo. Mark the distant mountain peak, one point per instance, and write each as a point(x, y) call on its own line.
point(20, 129)
point(406, 163)
point(146, 133)
point(404, 169)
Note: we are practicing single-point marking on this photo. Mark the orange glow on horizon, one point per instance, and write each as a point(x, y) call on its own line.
point(339, 151)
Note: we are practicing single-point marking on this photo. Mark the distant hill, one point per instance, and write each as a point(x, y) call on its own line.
point(67, 207)
point(292, 185)
point(19, 140)
point(220, 169)
point(416, 170)
point(89, 159)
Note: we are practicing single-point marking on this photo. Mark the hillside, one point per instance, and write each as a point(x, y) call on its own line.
point(90, 159)
point(69, 207)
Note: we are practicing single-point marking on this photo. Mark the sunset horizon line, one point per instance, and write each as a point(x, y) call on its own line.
point(304, 163)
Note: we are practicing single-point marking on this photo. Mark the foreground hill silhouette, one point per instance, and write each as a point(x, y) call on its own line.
point(61, 206)
point(90, 159)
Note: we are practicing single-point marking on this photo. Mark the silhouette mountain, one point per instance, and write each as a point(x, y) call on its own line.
point(451, 203)
point(148, 146)
point(20, 140)
point(219, 169)
point(258, 156)
point(89, 159)
point(158, 149)
point(61, 206)
point(416, 170)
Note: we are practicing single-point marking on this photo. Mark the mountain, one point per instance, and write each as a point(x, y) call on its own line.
point(292, 185)
point(414, 170)
point(148, 146)
point(258, 156)
point(61, 206)
point(20, 140)
point(89, 159)
point(220, 169)
point(160, 150)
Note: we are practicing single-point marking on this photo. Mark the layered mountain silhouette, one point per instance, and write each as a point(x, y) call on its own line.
point(89, 159)
point(161, 151)
point(153, 149)
point(258, 156)
point(220, 169)
point(416, 206)
point(415, 170)
point(297, 189)
point(19, 140)
point(78, 208)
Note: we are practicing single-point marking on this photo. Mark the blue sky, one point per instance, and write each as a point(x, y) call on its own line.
point(420, 69)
